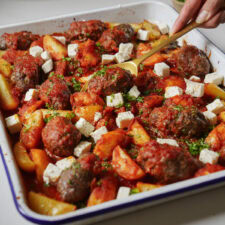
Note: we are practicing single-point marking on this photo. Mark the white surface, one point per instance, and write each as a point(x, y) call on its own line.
point(202, 209)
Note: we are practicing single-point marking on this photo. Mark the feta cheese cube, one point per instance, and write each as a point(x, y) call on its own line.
point(120, 57)
point(106, 58)
point(210, 116)
point(97, 116)
point(161, 69)
point(173, 91)
point(123, 119)
point(72, 50)
point(45, 55)
point(194, 89)
point(216, 106)
point(143, 35)
point(62, 39)
point(47, 66)
point(134, 92)
point(13, 124)
point(65, 163)
point(167, 141)
point(123, 192)
point(195, 79)
point(82, 147)
point(31, 94)
point(97, 134)
point(164, 28)
point(114, 100)
point(84, 127)
point(214, 78)
point(124, 53)
point(51, 174)
point(35, 51)
point(208, 156)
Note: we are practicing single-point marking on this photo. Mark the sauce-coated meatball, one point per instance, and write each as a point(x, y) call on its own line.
point(166, 163)
point(114, 80)
point(83, 30)
point(55, 92)
point(26, 73)
point(177, 121)
point(60, 137)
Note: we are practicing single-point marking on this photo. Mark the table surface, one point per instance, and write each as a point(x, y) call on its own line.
point(202, 209)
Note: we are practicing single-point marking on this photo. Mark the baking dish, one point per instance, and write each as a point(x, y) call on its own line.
point(122, 13)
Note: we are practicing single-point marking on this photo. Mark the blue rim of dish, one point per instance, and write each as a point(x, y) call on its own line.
point(117, 207)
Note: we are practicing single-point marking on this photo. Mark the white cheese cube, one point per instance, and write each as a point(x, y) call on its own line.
point(194, 89)
point(97, 116)
point(173, 91)
point(214, 78)
point(123, 192)
point(120, 57)
point(51, 174)
point(65, 163)
point(82, 147)
point(45, 55)
point(47, 66)
point(115, 100)
point(134, 92)
point(208, 156)
point(216, 106)
point(162, 69)
point(84, 127)
point(123, 119)
point(72, 50)
point(97, 134)
point(106, 58)
point(167, 141)
point(210, 116)
point(31, 94)
point(62, 39)
point(13, 124)
point(164, 28)
point(143, 35)
point(35, 51)
point(195, 79)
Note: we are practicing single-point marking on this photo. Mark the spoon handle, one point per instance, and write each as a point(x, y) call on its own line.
point(166, 42)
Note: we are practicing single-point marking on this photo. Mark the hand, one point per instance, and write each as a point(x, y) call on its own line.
point(208, 12)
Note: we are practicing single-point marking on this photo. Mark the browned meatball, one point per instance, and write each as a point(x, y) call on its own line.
point(74, 183)
point(166, 163)
point(26, 73)
point(111, 38)
point(20, 41)
point(55, 92)
point(177, 121)
point(83, 30)
point(190, 61)
point(112, 81)
point(60, 137)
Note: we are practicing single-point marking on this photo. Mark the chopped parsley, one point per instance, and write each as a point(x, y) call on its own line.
point(52, 115)
point(48, 106)
point(68, 59)
point(178, 108)
point(51, 74)
point(60, 76)
point(134, 191)
point(141, 67)
point(70, 116)
point(27, 127)
point(101, 72)
point(197, 146)
point(100, 47)
point(140, 99)
point(76, 84)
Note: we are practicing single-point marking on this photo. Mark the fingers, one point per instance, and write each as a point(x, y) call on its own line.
point(209, 9)
point(190, 8)
point(215, 20)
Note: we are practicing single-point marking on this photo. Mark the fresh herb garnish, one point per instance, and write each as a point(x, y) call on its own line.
point(76, 84)
point(178, 108)
point(197, 146)
point(68, 59)
point(27, 127)
point(134, 191)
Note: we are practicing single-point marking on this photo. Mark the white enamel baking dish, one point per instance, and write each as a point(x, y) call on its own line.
point(135, 12)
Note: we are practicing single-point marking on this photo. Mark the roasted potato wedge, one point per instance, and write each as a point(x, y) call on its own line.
point(214, 91)
point(146, 186)
point(5, 68)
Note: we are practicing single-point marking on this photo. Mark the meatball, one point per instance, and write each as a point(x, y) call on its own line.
point(74, 183)
point(18, 41)
point(112, 81)
point(60, 137)
point(55, 92)
point(26, 73)
point(166, 163)
point(177, 121)
point(111, 38)
point(84, 30)
point(190, 61)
